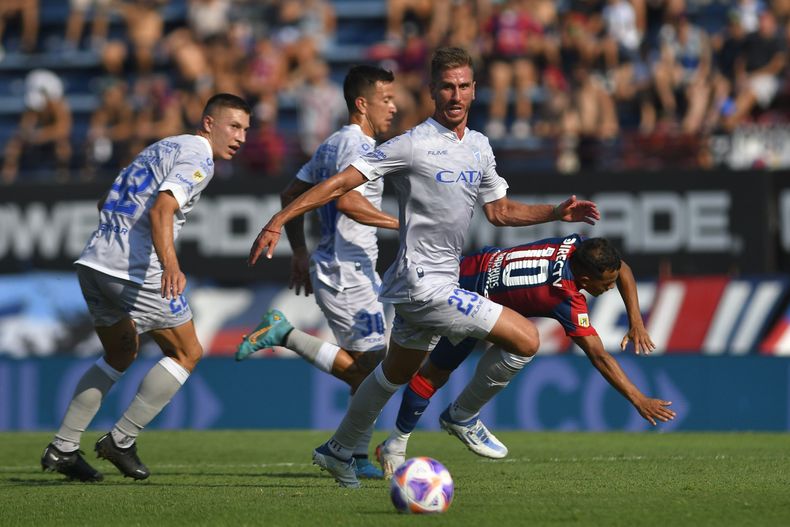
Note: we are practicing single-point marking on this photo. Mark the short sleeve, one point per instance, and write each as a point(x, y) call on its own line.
point(306, 173)
point(188, 177)
point(573, 314)
point(389, 158)
point(492, 186)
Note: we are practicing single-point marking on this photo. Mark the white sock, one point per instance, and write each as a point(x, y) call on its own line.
point(398, 441)
point(158, 386)
point(366, 405)
point(88, 396)
point(493, 373)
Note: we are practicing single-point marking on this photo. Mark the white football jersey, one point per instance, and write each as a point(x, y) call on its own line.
point(347, 252)
point(437, 178)
point(122, 246)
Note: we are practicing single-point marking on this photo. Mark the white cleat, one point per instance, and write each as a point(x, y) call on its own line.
point(389, 460)
point(474, 434)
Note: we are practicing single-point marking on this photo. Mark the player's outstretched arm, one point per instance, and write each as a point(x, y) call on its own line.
point(626, 285)
point(300, 260)
point(506, 212)
point(173, 280)
point(652, 410)
point(361, 210)
point(324, 192)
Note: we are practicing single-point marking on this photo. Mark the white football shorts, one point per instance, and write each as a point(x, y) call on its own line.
point(451, 312)
point(355, 315)
point(112, 299)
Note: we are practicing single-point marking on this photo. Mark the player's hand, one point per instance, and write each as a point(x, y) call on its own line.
point(573, 210)
point(300, 272)
point(173, 283)
point(641, 339)
point(267, 239)
point(655, 410)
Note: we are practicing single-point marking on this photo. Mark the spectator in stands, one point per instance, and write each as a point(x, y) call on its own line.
point(111, 130)
point(208, 18)
point(265, 73)
point(301, 30)
point(144, 26)
point(757, 69)
point(620, 44)
point(266, 156)
point(100, 13)
point(113, 57)
point(27, 10)
point(726, 47)
point(684, 66)
point(44, 127)
point(321, 107)
point(157, 110)
point(430, 16)
point(515, 42)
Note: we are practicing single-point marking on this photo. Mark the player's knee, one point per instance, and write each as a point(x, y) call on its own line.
point(188, 356)
point(527, 343)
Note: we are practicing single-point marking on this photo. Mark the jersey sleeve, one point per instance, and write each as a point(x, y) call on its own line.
point(188, 177)
point(306, 172)
point(389, 158)
point(492, 186)
point(573, 314)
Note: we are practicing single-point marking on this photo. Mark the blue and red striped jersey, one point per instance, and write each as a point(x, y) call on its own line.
point(534, 279)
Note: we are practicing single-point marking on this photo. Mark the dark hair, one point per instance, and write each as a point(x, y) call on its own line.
point(448, 58)
point(360, 79)
point(226, 100)
point(596, 256)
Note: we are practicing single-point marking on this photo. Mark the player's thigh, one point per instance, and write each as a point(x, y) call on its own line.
point(355, 315)
point(180, 343)
point(515, 334)
point(451, 312)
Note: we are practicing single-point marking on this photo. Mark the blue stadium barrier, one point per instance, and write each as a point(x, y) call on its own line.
point(553, 393)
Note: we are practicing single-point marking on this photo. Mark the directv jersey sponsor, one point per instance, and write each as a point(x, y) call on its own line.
point(347, 252)
point(436, 197)
point(533, 279)
point(122, 245)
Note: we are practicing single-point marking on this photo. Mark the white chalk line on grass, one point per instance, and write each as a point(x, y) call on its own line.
point(11, 468)
point(599, 459)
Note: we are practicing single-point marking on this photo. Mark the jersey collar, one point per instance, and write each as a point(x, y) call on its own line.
point(207, 144)
point(446, 132)
point(359, 128)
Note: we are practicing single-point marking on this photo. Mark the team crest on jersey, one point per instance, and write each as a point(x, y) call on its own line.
point(583, 320)
point(198, 176)
point(477, 156)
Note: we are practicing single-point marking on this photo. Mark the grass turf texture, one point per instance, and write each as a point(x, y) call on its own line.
point(265, 478)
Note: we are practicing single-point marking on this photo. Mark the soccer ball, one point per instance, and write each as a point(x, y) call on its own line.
point(421, 486)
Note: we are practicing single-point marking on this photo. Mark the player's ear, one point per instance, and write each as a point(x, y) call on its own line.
point(361, 104)
point(208, 123)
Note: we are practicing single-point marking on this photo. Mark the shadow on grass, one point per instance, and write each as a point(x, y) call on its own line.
point(114, 481)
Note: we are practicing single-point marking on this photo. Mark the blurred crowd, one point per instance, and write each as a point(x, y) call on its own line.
point(558, 72)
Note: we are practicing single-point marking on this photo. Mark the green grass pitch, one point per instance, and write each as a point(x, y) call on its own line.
point(265, 478)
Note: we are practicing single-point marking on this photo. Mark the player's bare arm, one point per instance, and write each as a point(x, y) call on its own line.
point(173, 280)
point(637, 333)
point(324, 192)
point(300, 260)
point(361, 210)
point(506, 212)
point(651, 409)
